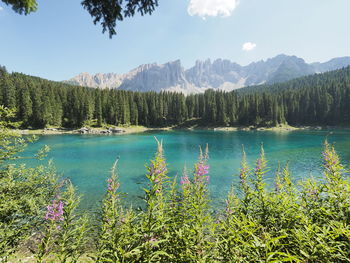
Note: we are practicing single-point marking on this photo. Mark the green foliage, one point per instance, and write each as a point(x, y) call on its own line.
point(306, 224)
point(63, 234)
point(23, 191)
point(108, 12)
point(117, 230)
point(22, 6)
point(105, 12)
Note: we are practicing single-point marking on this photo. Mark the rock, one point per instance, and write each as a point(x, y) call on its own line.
point(220, 74)
point(116, 130)
point(84, 130)
point(99, 80)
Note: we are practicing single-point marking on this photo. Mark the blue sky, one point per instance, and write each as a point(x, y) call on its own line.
point(59, 41)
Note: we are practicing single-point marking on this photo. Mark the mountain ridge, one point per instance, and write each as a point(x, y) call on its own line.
point(219, 74)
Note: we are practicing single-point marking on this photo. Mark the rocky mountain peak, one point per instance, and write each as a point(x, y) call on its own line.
point(205, 74)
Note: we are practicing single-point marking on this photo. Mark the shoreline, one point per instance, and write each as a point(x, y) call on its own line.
point(120, 130)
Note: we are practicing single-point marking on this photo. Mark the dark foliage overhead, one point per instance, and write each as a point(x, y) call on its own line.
point(22, 6)
point(105, 12)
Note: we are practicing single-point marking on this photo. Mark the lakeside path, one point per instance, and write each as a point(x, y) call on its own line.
point(140, 129)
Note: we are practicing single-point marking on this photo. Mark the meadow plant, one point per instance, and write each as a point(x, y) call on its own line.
point(64, 233)
point(154, 219)
point(117, 235)
point(23, 191)
point(197, 224)
point(305, 223)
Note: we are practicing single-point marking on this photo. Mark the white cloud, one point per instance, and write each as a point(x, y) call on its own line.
point(1, 8)
point(204, 8)
point(248, 46)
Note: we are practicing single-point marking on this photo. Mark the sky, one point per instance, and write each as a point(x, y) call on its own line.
point(60, 40)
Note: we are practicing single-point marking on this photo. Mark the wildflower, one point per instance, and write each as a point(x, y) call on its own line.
point(157, 170)
point(112, 185)
point(184, 180)
point(258, 167)
point(200, 172)
point(228, 207)
point(202, 169)
point(243, 174)
point(55, 211)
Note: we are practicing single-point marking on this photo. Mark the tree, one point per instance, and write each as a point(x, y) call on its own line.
point(22, 6)
point(105, 12)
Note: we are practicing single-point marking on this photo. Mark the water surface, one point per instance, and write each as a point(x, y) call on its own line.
point(87, 159)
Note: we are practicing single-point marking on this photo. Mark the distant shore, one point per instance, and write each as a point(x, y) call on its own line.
point(85, 130)
point(139, 129)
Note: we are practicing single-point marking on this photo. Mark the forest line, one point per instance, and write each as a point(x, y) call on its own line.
point(320, 99)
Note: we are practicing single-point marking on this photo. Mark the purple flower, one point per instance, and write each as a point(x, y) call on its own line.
point(112, 185)
point(184, 180)
point(202, 169)
point(157, 170)
point(258, 165)
point(55, 211)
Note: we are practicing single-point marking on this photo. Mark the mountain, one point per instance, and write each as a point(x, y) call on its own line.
point(333, 64)
point(100, 80)
point(153, 77)
point(221, 74)
point(290, 68)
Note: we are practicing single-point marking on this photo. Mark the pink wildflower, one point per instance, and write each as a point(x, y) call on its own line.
point(202, 169)
point(55, 211)
point(184, 180)
point(112, 185)
point(258, 165)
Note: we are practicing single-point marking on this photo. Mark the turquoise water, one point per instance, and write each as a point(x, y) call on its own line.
point(87, 159)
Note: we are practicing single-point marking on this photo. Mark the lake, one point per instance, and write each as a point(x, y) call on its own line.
point(87, 159)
